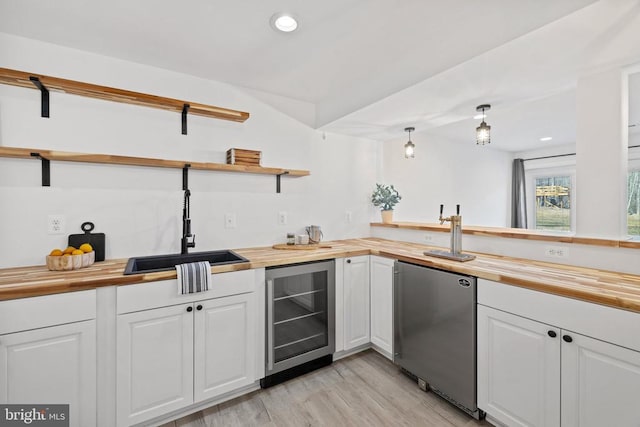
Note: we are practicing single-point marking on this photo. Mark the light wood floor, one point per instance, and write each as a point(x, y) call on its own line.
point(365, 389)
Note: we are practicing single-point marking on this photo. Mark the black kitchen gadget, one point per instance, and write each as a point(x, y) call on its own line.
point(96, 240)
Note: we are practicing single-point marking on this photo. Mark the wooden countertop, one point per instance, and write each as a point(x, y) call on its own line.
point(512, 233)
point(598, 286)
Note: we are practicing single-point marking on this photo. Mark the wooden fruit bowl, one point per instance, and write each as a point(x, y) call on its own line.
point(71, 262)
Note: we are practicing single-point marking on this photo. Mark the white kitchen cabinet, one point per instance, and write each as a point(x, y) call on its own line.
point(53, 365)
point(356, 301)
point(534, 374)
point(154, 362)
point(381, 285)
point(518, 369)
point(193, 348)
point(600, 383)
point(48, 353)
point(225, 345)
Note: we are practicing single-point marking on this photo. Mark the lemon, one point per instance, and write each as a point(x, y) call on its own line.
point(69, 250)
point(86, 248)
point(56, 252)
point(77, 252)
point(66, 254)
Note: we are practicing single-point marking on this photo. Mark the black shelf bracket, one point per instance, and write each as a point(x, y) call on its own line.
point(44, 96)
point(185, 110)
point(46, 169)
point(185, 176)
point(278, 180)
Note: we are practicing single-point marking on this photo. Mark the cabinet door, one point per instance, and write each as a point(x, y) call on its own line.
point(225, 337)
point(382, 303)
point(600, 383)
point(52, 365)
point(356, 301)
point(154, 363)
point(518, 369)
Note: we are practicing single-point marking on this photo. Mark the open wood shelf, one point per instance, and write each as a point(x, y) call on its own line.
point(65, 156)
point(48, 155)
point(26, 79)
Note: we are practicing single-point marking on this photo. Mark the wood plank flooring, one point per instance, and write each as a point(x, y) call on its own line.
point(365, 389)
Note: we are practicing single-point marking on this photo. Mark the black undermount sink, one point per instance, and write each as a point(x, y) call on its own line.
point(150, 264)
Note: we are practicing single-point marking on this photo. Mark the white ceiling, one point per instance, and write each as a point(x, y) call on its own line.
point(370, 67)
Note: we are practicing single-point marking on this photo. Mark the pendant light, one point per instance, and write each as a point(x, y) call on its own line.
point(409, 147)
point(483, 132)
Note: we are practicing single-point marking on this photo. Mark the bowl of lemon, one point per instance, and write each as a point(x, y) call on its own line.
point(71, 258)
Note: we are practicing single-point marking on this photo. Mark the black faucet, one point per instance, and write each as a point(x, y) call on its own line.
point(188, 239)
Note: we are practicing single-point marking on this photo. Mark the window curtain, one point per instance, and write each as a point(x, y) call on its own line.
point(518, 196)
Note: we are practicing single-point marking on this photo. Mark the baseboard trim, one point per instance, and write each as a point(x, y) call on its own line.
point(172, 416)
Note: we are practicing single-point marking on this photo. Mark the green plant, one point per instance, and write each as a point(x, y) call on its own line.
point(386, 196)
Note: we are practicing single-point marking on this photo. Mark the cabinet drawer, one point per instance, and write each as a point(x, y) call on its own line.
point(49, 310)
point(163, 293)
point(609, 324)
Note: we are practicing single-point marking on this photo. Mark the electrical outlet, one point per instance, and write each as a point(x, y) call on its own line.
point(282, 218)
point(348, 217)
point(428, 237)
point(230, 220)
point(556, 251)
point(56, 224)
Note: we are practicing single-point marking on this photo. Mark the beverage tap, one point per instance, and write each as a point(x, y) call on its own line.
point(456, 229)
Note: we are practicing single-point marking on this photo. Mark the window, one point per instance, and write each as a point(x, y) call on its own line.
point(553, 203)
point(633, 203)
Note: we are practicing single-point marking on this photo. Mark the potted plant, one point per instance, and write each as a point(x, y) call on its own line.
point(385, 196)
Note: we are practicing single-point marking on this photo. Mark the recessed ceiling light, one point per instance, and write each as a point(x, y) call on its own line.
point(546, 138)
point(284, 22)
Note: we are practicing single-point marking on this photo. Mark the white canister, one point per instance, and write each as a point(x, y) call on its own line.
point(302, 239)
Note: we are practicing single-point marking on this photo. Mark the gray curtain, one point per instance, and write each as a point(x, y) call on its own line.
point(518, 196)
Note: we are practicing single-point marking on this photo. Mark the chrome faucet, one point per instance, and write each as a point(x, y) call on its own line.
point(188, 239)
point(456, 229)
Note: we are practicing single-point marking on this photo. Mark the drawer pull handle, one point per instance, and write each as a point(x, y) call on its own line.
point(199, 307)
point(189, 309)
point(567, 338)
point(552, 334)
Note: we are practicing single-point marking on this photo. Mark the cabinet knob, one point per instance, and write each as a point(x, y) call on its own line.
point(567, 338)
point(189, 309)
point(552, 334)
point(199, 307)
point(348, 261)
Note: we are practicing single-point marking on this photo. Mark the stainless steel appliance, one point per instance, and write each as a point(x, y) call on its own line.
point(435, 331)
point(315, 233)
point(300, 319)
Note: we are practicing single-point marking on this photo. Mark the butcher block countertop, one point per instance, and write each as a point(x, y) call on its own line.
point(598, 286)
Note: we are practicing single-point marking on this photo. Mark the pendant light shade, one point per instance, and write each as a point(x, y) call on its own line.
point(483, 132)
point(409, 147)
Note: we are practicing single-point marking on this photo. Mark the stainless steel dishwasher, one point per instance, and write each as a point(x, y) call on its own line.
point(435, 331)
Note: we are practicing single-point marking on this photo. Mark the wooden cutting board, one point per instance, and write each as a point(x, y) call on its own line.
point(308, 247)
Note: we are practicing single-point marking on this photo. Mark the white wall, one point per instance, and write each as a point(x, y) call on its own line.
point(602, 153)
point(140, 209)
point(478, 178)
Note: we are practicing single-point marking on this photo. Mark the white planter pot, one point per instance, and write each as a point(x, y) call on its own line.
point(387, 216)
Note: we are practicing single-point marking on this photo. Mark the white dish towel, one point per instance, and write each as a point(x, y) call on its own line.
point(194, 277)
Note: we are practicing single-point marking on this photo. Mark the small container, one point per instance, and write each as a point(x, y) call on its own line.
point(291, 239)
point(302, 239)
